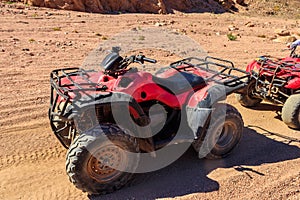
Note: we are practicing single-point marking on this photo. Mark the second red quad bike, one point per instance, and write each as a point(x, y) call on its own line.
point(88, 106)
point(277, 81)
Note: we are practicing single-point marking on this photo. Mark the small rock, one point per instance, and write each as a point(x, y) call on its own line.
point(232, 28)
point(261, 36)
point(250, 24)
point(2, 50)
point(183, 31)
point(240, 2)
point(20, 6)
point(285, 39)
point(31, 54)
point(282, 32)
point(273, 37)
point(48, 14)
point(25, 49)
point(159, 24)
point(172, 22)
point(23, 22)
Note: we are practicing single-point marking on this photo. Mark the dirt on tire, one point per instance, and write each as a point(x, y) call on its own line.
point(291, 111)
point(83, 168)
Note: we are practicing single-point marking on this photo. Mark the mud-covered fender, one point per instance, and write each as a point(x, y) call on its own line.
point(201, 104)
point(124, 101)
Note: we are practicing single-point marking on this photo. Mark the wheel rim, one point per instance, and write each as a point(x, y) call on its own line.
point(103, 164)
point(226, 134)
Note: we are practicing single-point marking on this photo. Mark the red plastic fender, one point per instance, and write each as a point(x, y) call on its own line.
point(293, 84)
point(197, 97)
point(253, 65)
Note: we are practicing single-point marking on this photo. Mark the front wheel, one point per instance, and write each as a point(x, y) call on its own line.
point(223, 133)
point(102, 159)
point(291, 111)
point(247, 99)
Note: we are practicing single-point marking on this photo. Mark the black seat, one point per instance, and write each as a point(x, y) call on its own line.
point(180, 82)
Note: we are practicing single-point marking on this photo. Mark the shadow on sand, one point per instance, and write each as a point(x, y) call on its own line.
point(189, 174)
point(269, 107)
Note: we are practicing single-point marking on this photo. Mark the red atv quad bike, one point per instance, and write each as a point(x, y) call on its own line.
point(277, 81)
point(87, 105)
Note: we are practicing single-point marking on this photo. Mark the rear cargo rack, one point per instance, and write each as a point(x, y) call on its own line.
point(224, 75)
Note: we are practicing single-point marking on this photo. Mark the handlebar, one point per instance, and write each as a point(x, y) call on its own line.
point(112, 61)
point(141, 58)
point(150, 60)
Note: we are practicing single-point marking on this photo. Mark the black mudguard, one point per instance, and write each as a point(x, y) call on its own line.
point(122, 101)
point(198, 117)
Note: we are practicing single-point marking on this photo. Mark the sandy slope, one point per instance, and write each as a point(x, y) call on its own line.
point(35, 41)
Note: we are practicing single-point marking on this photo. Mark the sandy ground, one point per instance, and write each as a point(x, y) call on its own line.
point(35, 41)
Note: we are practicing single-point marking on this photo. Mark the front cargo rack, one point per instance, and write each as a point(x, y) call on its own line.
point(267, 64)
point(64, 88)
point(77, 82)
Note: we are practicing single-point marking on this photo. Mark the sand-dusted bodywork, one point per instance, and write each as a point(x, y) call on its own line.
point(278, 81)
point(111, 119)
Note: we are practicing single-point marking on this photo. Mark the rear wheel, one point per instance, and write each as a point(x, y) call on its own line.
point(99, 161)
point(291, 111)
point(247, 99)
point(223, 135)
